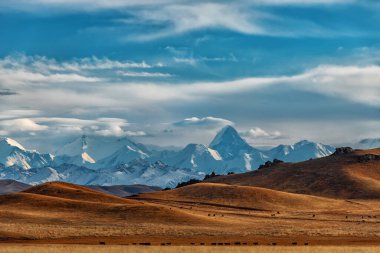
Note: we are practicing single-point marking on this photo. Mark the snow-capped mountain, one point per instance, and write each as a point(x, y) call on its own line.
point(196, 157)
point(229, 144)
point(109, 160)
point(13, 153)
point(236, 152)
point(369, 143)
point(301, 151)
point(91, 149)
point(65, 172)
point(137, 172)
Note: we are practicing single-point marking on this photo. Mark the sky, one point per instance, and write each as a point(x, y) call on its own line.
point(173, 72)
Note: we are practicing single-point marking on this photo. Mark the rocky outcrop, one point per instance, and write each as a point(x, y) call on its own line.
point(369, 157)
point(343, 151)
point(270, 164)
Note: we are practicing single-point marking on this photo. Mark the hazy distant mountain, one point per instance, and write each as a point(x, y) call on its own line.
point(12, 186)
point(369, 143)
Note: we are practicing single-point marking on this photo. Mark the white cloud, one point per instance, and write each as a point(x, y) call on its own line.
point(301, 2)
point(189, 60)
point(10, 114)
point(91, 5)
point(95, 63)
point(22, 69)
point(184, 18)
point(20, 125)
point(257, 132)
point(20, 76)
point(181, 16)
point(358, 84)
point(206, 122)
point(143, 74)
point(162, 102)
point(70, 126)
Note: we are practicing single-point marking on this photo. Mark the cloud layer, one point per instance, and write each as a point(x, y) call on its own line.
point(72, 106)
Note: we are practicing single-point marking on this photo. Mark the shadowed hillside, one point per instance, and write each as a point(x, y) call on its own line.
point(12, 186)
point(124, 190)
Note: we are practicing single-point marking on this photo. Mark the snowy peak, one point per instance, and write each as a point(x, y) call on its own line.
point(13, 153)
point(228, 136)
point(229, 144)
point(8, 143)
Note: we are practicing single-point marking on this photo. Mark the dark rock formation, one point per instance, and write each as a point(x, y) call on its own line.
point(369, 157)
point(268, 164)
point(343, 150)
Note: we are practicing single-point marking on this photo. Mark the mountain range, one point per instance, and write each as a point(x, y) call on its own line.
point(96, 160)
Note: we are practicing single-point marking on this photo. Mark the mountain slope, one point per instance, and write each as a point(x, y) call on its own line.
point(338, 176)
point(198, 158)
point(124, 155)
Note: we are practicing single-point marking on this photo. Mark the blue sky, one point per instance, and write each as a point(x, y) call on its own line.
point(173, 72)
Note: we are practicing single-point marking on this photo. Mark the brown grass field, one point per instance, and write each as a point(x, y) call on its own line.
point(180, 249)
point(226, 211)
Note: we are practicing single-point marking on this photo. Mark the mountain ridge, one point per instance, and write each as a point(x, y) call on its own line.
point(107, 161)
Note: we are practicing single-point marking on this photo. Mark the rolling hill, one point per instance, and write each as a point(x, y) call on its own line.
point(246, 197)
point(349, 176)
point(63, 200)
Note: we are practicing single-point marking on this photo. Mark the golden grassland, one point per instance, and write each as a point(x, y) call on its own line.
point(61, 213)
point(181, 249)
point(318, 209)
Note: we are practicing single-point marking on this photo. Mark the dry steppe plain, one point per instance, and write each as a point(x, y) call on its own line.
point(340, 208)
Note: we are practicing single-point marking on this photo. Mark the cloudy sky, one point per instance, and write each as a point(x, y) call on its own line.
point(171, 72)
